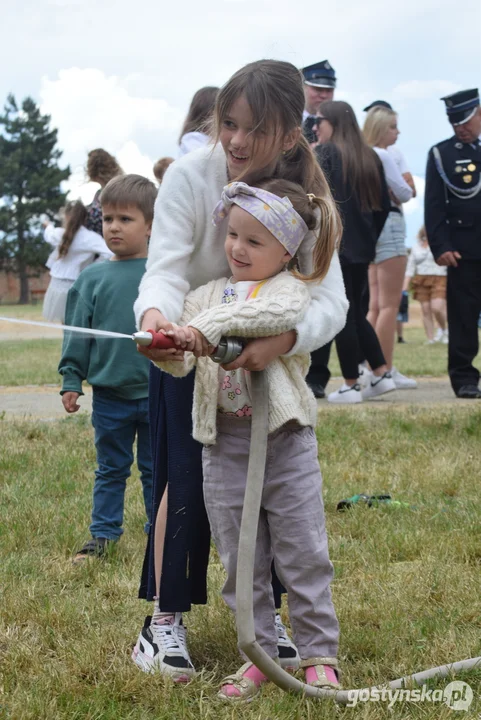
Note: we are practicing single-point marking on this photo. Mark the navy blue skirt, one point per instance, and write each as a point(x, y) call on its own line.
point(177, 463)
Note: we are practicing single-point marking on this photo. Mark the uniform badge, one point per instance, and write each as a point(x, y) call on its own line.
point(471, 167)
point(458, 146)
point(467, 179)
point(458, 169)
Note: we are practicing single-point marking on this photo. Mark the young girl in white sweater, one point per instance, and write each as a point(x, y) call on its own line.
point(266, 227)
point(256, 134)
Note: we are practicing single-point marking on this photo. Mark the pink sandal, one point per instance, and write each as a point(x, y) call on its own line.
point(243, 685)
point(322, 672)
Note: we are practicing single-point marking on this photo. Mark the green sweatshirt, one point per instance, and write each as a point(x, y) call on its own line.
point(103, 297)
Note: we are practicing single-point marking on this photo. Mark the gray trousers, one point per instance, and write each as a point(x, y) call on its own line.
point(291, 528)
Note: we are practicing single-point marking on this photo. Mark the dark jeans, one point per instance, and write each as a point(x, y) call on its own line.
point(464, 307)
point(358, 338)
point(116, 423)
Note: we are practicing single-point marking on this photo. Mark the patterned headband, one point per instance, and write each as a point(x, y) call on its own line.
point(275, 213)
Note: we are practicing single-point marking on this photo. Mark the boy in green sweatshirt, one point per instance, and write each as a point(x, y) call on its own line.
point(102, 298)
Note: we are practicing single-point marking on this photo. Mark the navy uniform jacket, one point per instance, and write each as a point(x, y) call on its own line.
point(454, 223)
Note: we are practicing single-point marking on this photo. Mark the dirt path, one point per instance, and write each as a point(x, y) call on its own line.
point(43, 402)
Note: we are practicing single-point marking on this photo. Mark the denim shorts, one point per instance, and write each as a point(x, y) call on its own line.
point(391, 242)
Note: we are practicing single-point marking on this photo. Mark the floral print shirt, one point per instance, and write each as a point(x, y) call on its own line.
point(234, 395)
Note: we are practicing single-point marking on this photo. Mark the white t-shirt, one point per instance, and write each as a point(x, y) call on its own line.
point(398, 158)
point(394, 178)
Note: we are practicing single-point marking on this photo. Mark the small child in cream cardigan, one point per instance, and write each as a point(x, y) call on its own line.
point(266, 227)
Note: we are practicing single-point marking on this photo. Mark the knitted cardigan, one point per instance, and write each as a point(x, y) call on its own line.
point(186, 250)
point(279, 305)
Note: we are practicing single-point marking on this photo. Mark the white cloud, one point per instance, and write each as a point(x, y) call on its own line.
point(413, 90)
point(91, 109)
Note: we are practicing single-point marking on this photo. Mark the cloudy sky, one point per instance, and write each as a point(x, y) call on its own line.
point(120, 74)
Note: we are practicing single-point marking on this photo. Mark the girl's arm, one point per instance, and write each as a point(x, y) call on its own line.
point(164, 287)
point(271, 314)
point(395, 180)
point(326, 314)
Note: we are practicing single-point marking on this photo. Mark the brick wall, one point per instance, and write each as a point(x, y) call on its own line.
point(10, 287)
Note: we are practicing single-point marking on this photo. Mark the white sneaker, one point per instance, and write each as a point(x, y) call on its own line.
point(439, 335)
point(431, 342)
point(346, 395)
point(402, 382)
point(289, 658)
point(379, 386)
point(364, 376)
point(163, 648)
point(445, 338)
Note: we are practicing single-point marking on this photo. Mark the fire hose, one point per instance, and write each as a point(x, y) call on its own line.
point(228, 350)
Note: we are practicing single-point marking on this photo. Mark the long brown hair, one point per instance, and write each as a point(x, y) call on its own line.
point(359, 162)
point(317, 212)
point(75, 217)
point(200, 111)
point(275, 94)
point(102, 166)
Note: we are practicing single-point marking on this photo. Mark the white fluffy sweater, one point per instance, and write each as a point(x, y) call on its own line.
point(279, 305)
point(186, 250)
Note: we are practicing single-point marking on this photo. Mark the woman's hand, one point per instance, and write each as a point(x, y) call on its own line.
point(258, 354)
point(154, 320)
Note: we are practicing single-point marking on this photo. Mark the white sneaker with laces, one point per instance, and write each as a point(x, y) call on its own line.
point(378, 386)
point(163, 648)
point(346, 395)
point(402, 382)
point(364, 376)
point(289, 658)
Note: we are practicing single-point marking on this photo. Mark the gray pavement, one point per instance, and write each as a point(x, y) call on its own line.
point(44, 402)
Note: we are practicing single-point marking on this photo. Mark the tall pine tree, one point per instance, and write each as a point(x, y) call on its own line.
point(30, 180)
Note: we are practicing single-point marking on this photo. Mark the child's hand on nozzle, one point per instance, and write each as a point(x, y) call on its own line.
point(69, 401)
point(189, 338)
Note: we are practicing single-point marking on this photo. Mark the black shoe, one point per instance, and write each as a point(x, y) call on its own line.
point(402, 340)
point(318, 390)
point(469, 392)
point(95, 547)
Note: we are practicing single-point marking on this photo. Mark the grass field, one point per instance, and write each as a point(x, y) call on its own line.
point(407, 587)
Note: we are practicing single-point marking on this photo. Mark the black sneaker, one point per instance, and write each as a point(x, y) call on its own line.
point(288, 656)
point(163, 648)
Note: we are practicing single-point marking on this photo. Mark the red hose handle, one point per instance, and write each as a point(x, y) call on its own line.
point(160, 341)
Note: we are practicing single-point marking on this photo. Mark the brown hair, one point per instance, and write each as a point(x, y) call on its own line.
point(102, 166)
point(360, 165)
point(131, 191)
point(75, 217)
point(200, 111)
point(275, 94)
point(376, 123)
point(161, 166)
point(315, 211)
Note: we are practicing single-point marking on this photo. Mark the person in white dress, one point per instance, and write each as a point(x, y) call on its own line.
point(74, 247)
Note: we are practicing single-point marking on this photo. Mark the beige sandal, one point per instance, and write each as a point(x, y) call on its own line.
point(246, 687)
